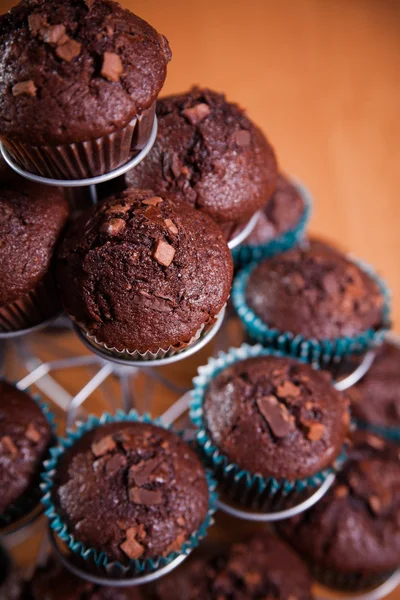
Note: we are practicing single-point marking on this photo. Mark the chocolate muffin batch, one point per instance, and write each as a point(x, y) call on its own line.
point(198, 229)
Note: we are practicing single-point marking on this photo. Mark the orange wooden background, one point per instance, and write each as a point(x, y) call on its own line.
point(322, 78)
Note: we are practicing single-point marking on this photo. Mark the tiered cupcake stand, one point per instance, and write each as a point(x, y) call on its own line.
point(124, 370)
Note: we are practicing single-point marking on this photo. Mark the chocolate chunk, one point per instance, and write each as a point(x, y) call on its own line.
point(287, 389)
point(276, 415)
point(197, 114)
point(164, 253)
point(252, 578)
point(140, 474)
point(131, 547)
point(115, 463)
point(181, 521)
point(139, 495)
point(154, 201)
point(69, 50)
point(56, 34)
point(375, 442)
point(118, 208)
point(24, 88)
point(342, 491)
point(9, 445)
point(315, 432)
point(113, 226)
point(103, 446)
point(89, 3)
point(171, 226)
point(32, 434)
point(375, 504)
point(330, 283)
point(112, 68)
point(242, 138)
point(36, 22)
point(176, 544)
point(176, 165)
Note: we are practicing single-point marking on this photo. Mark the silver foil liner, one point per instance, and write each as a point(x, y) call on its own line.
point(34, 308)
point(148, 356)
point(82, 160)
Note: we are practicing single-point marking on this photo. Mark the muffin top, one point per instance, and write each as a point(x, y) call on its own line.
point(138, 273)
point(25, 436)
point(32, 218)
point(54, 582)
point(131, 490)
point(376, 398)
point(356, 525)
point(73, 71)
point(262, 567)
point(210, 156)
point(276, 417)
point(281, 213)
point(315, 291)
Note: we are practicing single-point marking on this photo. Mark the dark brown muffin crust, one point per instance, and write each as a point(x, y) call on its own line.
point(281, 213)
point(315, 291)
point(132, 490)
point(210, 156)
point(355, 527)
point(76, 70)
point(31, 220)
point(276, 417)
point(376, 398)
point(25, 436)
point(141, 274)
point(54, 582)
point(262, 567)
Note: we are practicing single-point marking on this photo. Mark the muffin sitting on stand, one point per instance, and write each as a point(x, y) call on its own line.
point(32, 219)
point(314, 302)
point(375, 400)
point(143, 278)
point(79, 85)
point(281, 224)
point(260, 567)
point(352, 535)
point(25, 437)
point(210, 156)
point(271, 427)
point(127, 495)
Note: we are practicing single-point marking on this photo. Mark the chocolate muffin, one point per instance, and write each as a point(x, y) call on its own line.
point(132, 490)
point(276, 417)
point(32, 218)
point(315, 291)
point(281, 213)
point(375, 400)
point(352, 535)
point(138, 274)
point(25, 436)
point(53, 582)
point(80, 81)
point(262, 567)
point(210, 156)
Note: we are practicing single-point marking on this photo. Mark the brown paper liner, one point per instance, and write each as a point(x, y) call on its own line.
point(34, 308)
point(83, 160)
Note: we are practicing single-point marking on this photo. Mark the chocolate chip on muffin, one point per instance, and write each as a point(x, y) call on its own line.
point(210, 156)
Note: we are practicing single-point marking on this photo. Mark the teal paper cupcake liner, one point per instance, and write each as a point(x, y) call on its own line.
point(317, 352)
point(246, 253)
point(31, 498)
point(250, 490)
point(100, 561)
point(390, 433)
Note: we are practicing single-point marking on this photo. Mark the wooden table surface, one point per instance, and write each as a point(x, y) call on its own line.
point(321, 77)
